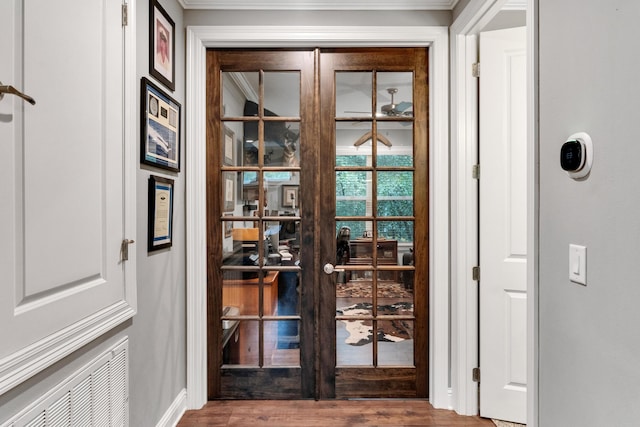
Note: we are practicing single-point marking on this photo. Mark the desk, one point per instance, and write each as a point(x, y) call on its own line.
point(243, 293)
point(362, 254)
point(242, 336)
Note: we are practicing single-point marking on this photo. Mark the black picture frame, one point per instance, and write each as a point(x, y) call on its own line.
point(160, 127)
point(228, 147)
point(290, 196)
point(229, 191)
point(162, 43)
point(160, 229)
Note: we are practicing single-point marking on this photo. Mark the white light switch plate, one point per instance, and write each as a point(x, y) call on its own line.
point(578, 264)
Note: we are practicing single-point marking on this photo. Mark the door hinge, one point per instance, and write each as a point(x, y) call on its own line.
point(476, 375)
point(475, 273)
point(475, 69)
point(124, 249)
point(125, 15)
point(475, 172)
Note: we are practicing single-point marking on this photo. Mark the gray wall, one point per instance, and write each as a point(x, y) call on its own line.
point(589, 336)
point(158, 333)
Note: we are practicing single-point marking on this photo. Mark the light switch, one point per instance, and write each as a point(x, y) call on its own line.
point(578, 264)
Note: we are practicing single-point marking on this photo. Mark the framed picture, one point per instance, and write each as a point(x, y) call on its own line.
point(160, 141)
point(228, 226)
point(160, 232)
point(228, 191)
point(290, 196)
point(162, 42)
point(228, 149)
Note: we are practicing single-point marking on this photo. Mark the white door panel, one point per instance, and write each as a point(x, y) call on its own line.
point(61, 176)
point(503, 220)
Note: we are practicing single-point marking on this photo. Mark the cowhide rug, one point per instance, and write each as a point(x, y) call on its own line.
point(361, 331)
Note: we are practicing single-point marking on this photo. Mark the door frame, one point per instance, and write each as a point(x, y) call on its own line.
point(464, 198)
point(199, 39)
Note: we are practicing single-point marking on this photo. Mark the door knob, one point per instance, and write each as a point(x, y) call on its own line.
point(330, 268)
point(13, 91)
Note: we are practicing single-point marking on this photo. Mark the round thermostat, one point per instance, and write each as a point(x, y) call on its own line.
point(576, 155)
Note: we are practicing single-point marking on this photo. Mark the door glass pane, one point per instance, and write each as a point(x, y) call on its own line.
point(240, 94)
point(282, 144)
point(354, 343)
point(240, 344)
point(240, 293)
point(282, 343)
point(353, 144)
point(231, 144)
point(282, 94)
point(395, 193)
point(353, 195)
point(353, 94)
point(394, 94)
point(400, 231)
point(395, 343)
point(395, 144)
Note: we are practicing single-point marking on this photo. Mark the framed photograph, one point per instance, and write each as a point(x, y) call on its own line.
point(160, 140)
point(290, 196)
point(228, 226)
point(162, 42)
point(228, 149)
point(160, 232)
point(228, 191)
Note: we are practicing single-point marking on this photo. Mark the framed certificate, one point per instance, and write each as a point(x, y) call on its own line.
point(160, 139)
point(160, 234)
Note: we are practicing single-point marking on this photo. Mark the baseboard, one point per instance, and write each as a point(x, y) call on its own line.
point(175, 411)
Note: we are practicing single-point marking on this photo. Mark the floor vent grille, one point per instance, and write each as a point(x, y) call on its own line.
point(97, 395)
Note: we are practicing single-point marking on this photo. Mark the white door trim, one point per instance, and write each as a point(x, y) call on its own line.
point(199, 38)
point(464, 215)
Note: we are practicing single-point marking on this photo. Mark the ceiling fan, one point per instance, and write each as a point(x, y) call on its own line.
point(392, 109)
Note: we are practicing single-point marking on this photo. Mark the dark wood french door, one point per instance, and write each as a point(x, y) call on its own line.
point(317, 183)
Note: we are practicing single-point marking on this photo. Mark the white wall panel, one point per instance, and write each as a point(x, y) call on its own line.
point(63, 181)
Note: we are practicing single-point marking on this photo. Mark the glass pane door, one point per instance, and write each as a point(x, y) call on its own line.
point(258, 132)
point(376, 130)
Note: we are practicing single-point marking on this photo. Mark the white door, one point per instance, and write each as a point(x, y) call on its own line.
point(503, 220)
point(62, 181)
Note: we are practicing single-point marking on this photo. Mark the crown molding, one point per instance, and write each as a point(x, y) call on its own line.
point(515, 5)
point(319, 4)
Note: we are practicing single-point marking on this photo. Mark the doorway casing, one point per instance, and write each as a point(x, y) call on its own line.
point(199, 39)
point(464, 200)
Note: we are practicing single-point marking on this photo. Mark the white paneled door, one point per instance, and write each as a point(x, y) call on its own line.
point(62, 180)
point(503, 225)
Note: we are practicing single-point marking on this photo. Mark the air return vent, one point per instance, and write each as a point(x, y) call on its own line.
point(97, 395)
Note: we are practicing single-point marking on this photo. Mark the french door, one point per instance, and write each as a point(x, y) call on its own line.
point(317, 238)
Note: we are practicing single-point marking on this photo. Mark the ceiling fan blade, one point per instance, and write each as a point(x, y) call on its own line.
point(403, 106)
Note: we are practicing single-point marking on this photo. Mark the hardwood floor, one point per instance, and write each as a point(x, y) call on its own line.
point(327, 413)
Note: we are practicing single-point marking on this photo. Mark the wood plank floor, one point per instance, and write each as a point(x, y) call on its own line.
point(327, 413)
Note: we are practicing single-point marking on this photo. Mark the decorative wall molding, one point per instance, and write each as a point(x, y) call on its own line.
point(175, 411)
point(27, 362)
point(199, 38)
point(319, 4)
